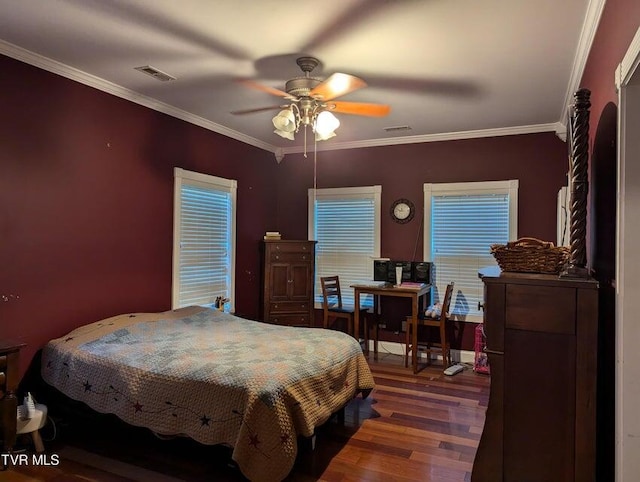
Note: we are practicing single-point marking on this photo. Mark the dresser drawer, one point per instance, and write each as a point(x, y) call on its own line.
point(290, 320)
point(288, 307)
point(290, 247)
point(548, 309)
point(291, 257)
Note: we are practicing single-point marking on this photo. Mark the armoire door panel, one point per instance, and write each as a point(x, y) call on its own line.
point(300, 289)
point(279, 282)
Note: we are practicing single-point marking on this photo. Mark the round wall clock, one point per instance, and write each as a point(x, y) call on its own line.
point(402, 211)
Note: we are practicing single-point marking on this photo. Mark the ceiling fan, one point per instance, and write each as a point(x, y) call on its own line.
point(312, 104)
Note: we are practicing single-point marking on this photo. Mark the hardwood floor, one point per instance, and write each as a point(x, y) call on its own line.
point(423, 427)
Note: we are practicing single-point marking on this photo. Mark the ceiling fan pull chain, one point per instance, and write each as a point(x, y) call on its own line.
point(315, 173)
point(305, 141)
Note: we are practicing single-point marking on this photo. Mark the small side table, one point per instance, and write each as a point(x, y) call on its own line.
point(9, 369)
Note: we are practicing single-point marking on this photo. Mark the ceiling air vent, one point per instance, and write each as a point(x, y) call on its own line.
point(397, 128)
point(155, 73)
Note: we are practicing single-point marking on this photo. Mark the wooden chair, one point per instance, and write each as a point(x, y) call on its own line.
point(444, 346)
point(332, 306)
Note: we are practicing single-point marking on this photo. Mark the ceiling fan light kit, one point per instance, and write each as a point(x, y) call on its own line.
point(310, 102)
point(285, 123)
point(288, 121)
point(325, 125)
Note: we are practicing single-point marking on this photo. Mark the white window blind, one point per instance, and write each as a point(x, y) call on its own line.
point(204, 244)
point(463, 221)
point(346, 225)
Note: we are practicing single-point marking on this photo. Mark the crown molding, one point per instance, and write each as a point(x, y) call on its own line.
point(82, 77)
point(446, 136)
point(561, 131)
point(630, 62)
point(592, 18)
point(588, 33)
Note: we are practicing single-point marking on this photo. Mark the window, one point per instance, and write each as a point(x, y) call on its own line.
point(462, 221)
point(204, 238)
point(346, 224)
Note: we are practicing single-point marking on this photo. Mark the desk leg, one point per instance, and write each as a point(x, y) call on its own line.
point(376, 327)
point(375, 321)
point(414, 333)
point(356, 319)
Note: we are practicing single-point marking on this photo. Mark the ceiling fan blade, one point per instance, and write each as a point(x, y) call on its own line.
point(360, 108)
point(253, 111)
point(265, 88)
point(336, 85)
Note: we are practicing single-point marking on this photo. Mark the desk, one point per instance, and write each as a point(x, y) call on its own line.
point(415, 294)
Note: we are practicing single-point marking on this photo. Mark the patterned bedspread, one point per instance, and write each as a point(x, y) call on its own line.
point(214, 377)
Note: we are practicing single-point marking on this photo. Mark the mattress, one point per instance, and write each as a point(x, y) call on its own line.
point(214, 377)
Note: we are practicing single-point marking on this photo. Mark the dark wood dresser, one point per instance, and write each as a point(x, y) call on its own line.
point(288, 272)
point(542, 348)
point(9, 369)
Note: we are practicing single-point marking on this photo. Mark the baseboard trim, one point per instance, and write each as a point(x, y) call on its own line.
point(395, 348)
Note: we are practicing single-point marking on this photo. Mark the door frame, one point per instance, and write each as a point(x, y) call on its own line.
point(627, 79)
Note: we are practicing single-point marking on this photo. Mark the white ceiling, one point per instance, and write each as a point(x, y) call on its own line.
point(448, 68)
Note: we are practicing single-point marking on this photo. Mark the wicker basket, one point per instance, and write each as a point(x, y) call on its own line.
point(530, 255)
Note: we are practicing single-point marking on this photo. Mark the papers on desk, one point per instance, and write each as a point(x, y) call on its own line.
point(385, 284)
point(412, 285)
point(373, 284)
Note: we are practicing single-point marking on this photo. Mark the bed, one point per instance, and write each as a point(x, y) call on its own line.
point(214, 377)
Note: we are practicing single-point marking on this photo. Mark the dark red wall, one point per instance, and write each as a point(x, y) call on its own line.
point(619, 22)
point(86, 204)
point(538, 161)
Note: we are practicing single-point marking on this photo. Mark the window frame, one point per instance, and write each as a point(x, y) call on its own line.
point(360, 192)
point(184, 177)
point(509, 187)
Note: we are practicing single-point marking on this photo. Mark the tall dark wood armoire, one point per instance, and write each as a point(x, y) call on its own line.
point(542, 347)
point(288, 274)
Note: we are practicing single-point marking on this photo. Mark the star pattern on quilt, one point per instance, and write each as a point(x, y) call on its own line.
point(254, 440)
point(116, 394)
